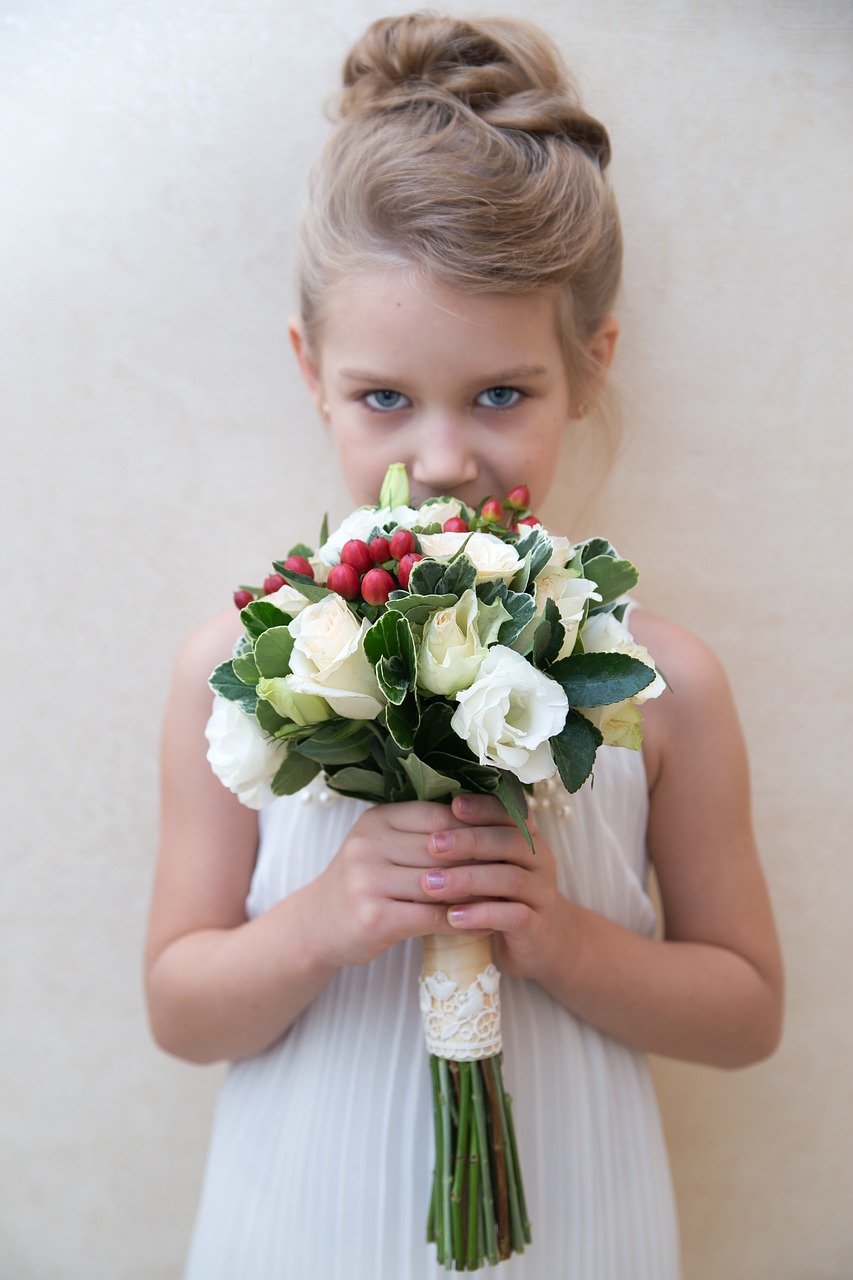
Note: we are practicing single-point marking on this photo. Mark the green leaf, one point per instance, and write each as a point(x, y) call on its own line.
point(535, 551)
point(434, 730)
point(339, 743)
point(224, 682)
point(390, 647)
point(614, 577)
point(418, 609)
point(574, 749)
point(511, 794)
point(272, 652)
point(428, 783)
point(246, 669)
point(294, 773)
point(362, 784)
point(600, 679)
point(522, 609)
point(459, 576)
point(425, 577)
point(301, 550)
point(324, 530)
point(259, 616)
point(548, 637)
point(300, 582)
point(402, 722)
point(268, 718)
point(480, 779)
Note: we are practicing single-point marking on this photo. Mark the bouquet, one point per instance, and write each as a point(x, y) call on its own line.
point(416, 654)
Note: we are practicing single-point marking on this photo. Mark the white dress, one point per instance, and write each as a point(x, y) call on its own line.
point(321, 1155)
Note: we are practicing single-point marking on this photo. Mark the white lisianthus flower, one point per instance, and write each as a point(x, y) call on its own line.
point(451, 651)
point(437, 510)
point(619, 724)
point(328, 660)
point(493, 558)
point(603, 633)
point(302, 708)
point(359, 525)
point(509, 713)
point(570, 594)
point(288, 599)
point(241, 755)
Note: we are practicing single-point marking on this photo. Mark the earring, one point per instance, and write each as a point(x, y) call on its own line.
point(583, 408)
point(324, 409)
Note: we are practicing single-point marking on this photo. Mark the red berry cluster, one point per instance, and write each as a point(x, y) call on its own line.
point(363, 568)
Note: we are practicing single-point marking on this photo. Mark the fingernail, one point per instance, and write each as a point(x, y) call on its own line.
point(442, 841)
point(456, 916)
point(465, 804)
point(436, 879)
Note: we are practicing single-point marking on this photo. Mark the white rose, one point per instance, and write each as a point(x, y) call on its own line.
point(302, 708)
point(436, 511)
point(360, 524)
point(288, 599)
point(603, 633)
point(561, 552)
point(451, 651)
point(509, 713)
point(328, 660)
point(492, 557)
point(570, 595)
point(620, 723)
point(241, 755)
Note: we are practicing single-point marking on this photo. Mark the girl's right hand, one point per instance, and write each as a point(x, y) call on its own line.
point(370, 895)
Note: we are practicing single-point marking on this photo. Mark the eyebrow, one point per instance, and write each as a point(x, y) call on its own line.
point(494, 380)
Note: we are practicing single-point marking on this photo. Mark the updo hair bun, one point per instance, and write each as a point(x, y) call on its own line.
point(462, 152)
point(504, 71)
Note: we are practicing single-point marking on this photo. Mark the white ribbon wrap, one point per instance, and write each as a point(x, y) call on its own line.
point(460, 998)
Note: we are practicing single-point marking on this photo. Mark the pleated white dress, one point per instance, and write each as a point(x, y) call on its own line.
point(321, 1155)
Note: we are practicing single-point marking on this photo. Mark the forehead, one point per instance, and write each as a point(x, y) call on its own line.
point(392, 315)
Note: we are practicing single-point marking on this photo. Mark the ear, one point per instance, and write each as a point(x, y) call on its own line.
point(601, 349)
point(308, 366)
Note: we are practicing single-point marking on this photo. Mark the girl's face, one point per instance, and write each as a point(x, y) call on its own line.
point(469, 391)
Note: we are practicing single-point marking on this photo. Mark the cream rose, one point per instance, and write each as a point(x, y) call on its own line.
point(561, 552)
point(451, 651)
point(302, 708)
point(241, 755)
point(570, 595)
point(360, 524)
point(328, 660)
point(603, 633)
point(509, 713)
point(437, 511)
point(288, 599)
point(619, 724)
point(492, 557)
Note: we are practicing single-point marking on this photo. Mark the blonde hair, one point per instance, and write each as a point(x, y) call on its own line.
point(462, 152)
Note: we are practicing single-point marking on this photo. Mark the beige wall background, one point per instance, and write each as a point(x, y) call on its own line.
point(157, 449)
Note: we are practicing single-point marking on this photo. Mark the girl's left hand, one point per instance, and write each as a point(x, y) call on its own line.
point(491, 882)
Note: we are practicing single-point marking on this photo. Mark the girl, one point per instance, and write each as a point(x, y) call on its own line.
point(458, 266)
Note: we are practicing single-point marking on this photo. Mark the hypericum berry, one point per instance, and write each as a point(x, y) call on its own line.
point(380, 549)
point(377, 585)
point(455, 525)
point(298, 564)
point(530, 520)
point(343, 579)
point(273, 583)
point(404, 568)
point(402, 544)
point(357, 553)
point(492, 510)
point(519, 497)
point(242, 598)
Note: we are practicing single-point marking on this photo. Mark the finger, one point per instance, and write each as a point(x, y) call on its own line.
point(488, 844)
point(492, 916)
point(418, 816)
point(501, 880)
point(488, 810)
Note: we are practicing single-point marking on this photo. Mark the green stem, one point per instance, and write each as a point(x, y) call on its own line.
point(435, 1233)
point(463, 1074)
point(475, 1252)
point(446, 1157)
point(525, 1220)
point(499, 1156)
point(491, 1240)
point(516, 1228)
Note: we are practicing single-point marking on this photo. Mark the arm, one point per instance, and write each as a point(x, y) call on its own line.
point(711, 991)
point(221, 986)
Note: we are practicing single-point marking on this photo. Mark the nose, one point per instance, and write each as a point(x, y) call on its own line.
point(445, 459)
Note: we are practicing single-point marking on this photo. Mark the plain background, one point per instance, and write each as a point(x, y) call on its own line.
point(158, 449)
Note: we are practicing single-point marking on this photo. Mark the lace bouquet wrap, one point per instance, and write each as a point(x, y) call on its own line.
point(416, 654)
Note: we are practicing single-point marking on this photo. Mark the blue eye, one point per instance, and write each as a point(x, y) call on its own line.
point(385, 400)
point(499, 398)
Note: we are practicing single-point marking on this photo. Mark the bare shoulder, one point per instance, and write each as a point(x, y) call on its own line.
point(209, 644)
point(698, 699)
